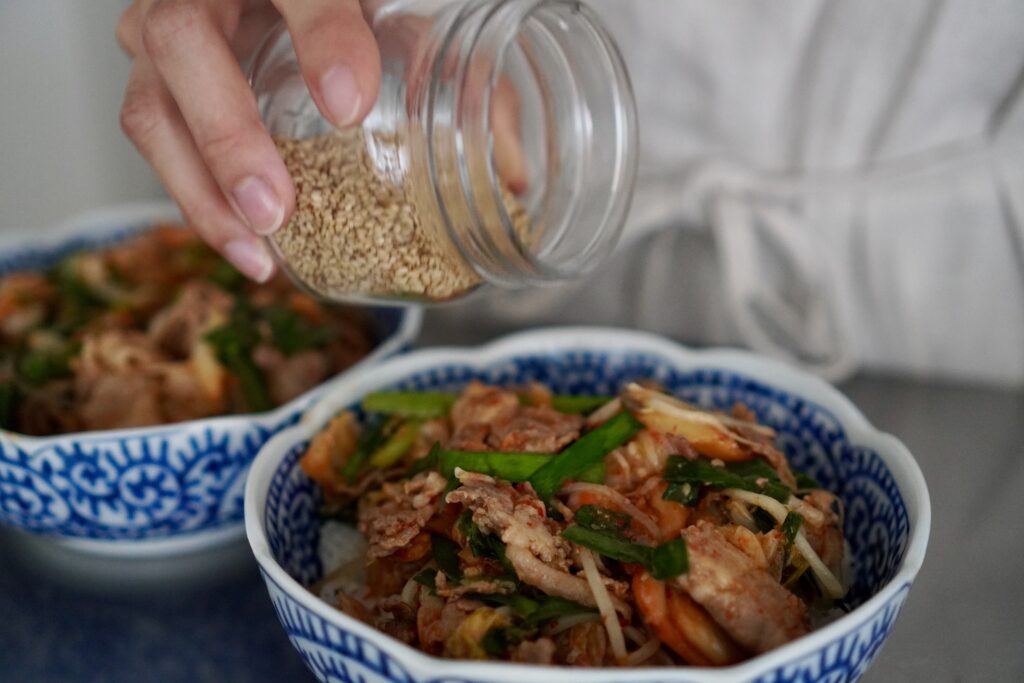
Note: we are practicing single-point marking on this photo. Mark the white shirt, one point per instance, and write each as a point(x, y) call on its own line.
point(836, 183)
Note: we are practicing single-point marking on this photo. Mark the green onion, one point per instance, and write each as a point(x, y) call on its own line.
point(665, 561)
point(497, 641)
point(681, 471)
point(234, 343)
point(805, 482)
point(685, 493)
point(608, 545)
point(449, 487)
point(522, 605)
point(292, 333)
point(790, 528)
point(446, 554)
point(431, 404)
point(423, 404)
point(225, 276)
point(77, 302)
point(587, 451)
point(763, 520)
point(482, 544)
point(553, 607)
point(534, 614)
point(512, 467)
point(579, 405)
point(39, 367)
point(428, 578)
point(801, 582)
point(9, 398)
point(601, 519)
point(369, 441)
point(397, 445)
point(753, 469)
point(427, 462)
point(593, 475)
point(669, 560)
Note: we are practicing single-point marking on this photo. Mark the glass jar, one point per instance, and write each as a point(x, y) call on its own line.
point(501, 150)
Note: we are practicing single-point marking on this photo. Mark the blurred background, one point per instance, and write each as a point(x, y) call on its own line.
point(62, 147)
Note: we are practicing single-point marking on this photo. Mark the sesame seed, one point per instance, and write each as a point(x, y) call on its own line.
point(356, 232)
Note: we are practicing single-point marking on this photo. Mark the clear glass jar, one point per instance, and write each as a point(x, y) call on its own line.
point(501, 150)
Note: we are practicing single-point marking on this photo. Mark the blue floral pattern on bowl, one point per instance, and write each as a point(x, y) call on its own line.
point(877, 521)
point(181, 484)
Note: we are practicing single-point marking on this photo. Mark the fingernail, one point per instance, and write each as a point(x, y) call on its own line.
point(341, 95)
point(250, 257)
point(259, 205)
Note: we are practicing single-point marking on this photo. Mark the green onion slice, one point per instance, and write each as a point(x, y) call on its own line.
point(369, 442)
point(597, 518)
point(579, 405)
point(446, 554)
point(483, 544)
point(427, 462)
point(665, 561)
point(397, 445)
point(669, 560)
point(609, 545)
point(696, 473)
point(512, 467)
point(790, 528)
point(532, 615)
point(422, 404)
point(805, 482)
point(586, 452)
point(233, 344)
point(428, 578)
point(10, 396)
point(433, 404)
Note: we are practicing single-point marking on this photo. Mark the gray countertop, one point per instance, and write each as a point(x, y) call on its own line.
point(209, 618)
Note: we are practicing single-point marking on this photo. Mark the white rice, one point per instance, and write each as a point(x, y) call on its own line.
point(339, 544)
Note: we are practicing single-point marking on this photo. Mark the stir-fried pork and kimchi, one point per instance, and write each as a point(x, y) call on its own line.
point(516, 525)
point(159, 329)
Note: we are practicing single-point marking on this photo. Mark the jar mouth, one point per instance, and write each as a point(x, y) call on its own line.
point(531, 114)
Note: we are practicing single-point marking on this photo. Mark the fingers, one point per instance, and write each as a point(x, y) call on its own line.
point(338, 54)
point(187, 43)
point(129, 27)
point(151, 119)
point(509, 157)
point(191, 113)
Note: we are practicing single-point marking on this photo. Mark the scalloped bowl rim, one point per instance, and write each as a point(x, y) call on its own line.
point(126, 219)
point(893, 453)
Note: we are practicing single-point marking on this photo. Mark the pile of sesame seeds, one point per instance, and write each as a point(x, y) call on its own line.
point(357, 232)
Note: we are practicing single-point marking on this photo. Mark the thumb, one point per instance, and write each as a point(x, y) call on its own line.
point(338, 55)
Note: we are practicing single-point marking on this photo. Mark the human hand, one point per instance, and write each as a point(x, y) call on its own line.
point(189, 110)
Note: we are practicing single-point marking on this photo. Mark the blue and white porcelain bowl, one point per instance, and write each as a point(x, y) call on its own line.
point(151, 491)
point(887, 509)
